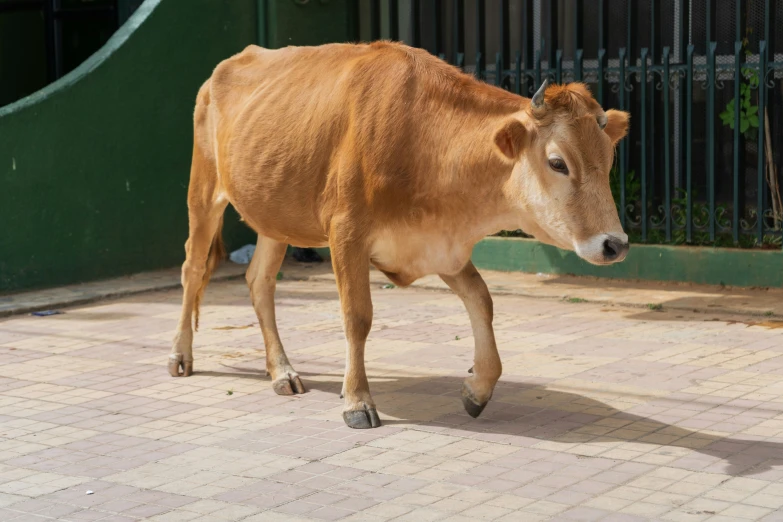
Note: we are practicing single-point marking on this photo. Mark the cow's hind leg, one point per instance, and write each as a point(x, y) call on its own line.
point(262, 278)
point(477, 388)
point(352, 270)
point(203, 252)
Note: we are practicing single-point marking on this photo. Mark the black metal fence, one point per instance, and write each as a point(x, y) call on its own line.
point(42, 40)
point(701, 79)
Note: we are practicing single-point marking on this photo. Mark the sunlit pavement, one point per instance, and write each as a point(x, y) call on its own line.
point(603, 413)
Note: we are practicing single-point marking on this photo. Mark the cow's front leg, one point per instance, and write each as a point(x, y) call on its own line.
point(352, 271)
point(477, 388)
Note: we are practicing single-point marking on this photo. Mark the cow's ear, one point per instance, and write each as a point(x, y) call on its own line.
point(510, 139)
point(616, 125)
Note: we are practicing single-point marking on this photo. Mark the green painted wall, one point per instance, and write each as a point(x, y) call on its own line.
point(94, 168)
point(702, 265)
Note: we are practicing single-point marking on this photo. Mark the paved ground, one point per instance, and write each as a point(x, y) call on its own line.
point(603, 413)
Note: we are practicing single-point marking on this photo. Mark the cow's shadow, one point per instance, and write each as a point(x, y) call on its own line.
point(538, 412)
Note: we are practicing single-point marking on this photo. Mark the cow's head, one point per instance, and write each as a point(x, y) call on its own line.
point(562, 146)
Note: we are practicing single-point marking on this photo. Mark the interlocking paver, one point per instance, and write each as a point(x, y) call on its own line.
point(602, 413)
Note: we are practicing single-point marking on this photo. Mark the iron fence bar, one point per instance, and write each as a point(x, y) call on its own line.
point(736, 158)
point(529, 44)
point(558, 66)
point(710, 22)
point(437, 27)
point(601, 73)
point(415, 27)
point(461, 61)
point(666, 147)
point(712, 80)
point(375, 20)
point(631, 29)
point(623, 154)
point(481, 38)
point(498, 69)
point(689, 147)
point(760, 155)
point(577, 28)
point(518, 74)
point(603, 23)
point(769, 28)
point(479, 71)
point(653, 52)
point(629, 145)
point(578, 65)
point(394, 20)
point(459, 28)
point(538, 68)
point(553, 36)
point(643, 81)
point(505, 42)
point(684, 116)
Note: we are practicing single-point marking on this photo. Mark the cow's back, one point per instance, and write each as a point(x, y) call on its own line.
point(302, 133)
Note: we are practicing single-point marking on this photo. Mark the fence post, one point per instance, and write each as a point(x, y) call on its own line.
point(375, 20)
point(498, 69)
point(538, 68)
point(623, 154)
point(528, 34)
point(601, 73)
point(481, 38)
point(459, 28)
point(415, 25)
point(689, 147)
point(736, 134)
point(505, 42)
point(394, 20)
point(667, 147)
point(643, 124)
point(762, 92)
point(712, 79)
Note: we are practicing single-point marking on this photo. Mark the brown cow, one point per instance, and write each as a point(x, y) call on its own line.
point(393, 158)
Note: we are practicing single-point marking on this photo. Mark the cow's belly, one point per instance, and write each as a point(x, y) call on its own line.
point(406, 256)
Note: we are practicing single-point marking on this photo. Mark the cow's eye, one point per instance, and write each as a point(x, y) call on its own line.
point(558, 165)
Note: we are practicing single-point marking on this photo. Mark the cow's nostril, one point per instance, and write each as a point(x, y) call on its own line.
point(610, 252)
point(614, 249)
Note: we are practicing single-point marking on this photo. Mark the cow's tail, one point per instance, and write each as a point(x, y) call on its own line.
point(217, 252)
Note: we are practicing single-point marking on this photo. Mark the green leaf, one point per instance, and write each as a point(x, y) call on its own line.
point(754, 121)
point(744, 124)
point(753, 110)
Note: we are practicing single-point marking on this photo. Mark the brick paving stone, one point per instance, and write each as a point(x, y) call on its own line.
point(603, 412)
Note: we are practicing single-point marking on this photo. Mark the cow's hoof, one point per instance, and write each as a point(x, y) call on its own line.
point(472, 406)
point(179, 367)
point(288, 384)
point(362, 419)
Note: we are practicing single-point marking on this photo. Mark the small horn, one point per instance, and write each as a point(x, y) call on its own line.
point(538, 98)
point(602, 121)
